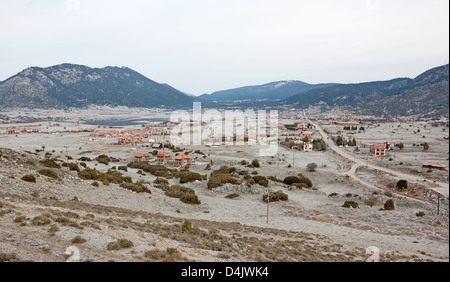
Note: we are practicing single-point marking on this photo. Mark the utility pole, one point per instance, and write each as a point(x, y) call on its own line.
point(439, 200)
point(268, 200)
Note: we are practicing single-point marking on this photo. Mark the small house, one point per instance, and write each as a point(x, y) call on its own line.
point(182, 160)
point(163, 157)
point(142, 156)
point(378, 150)
point(308, 147)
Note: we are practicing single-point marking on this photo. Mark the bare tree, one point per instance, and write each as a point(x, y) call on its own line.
point(312, 167)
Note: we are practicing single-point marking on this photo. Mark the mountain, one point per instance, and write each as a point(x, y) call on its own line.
point(425, 95)
point(69, 85)
point(272, 91)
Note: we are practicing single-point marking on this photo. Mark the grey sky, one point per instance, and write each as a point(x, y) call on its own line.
point(201, 46)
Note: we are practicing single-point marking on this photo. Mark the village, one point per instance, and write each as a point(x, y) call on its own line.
point(347, 159)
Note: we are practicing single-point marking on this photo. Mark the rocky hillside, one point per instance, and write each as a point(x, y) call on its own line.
point(70, 85)
point(425, 95)
point(271, 91)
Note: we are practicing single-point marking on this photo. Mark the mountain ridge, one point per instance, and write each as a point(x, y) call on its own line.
point(71, 85)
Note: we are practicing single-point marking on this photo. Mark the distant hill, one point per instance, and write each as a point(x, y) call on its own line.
point(425, 95)
point(278, 90)
point(69, 85)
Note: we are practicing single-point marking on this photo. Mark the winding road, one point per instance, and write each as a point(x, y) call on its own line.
point(440, 187)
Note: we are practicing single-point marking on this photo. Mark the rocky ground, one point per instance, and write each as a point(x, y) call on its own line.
point(43, 221)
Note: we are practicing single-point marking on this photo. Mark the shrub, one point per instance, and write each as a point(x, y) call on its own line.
point(188, 176)
point(29, 178)
point(136, 187)
point(333, 195)
point(191, 199)
point(83, 164)
point(85, 159)
point(291, 180)
point(261, 180)
point(95, 184)
point(275, 179)
point(232, 196)
point(78, 240)
point(20, 219)
point(402, 184)
point(350, 204)
point(51, 163)
point(72, 166)
point(389, 205)
point(49, 173)
point(124, 168)
point(88, 174)
point(119, 244)
point(221, 179)
point(187, 228)
point(275, 197)
point(255, 163)
point(161, 181)
point(103, 159)
point(420, 214)
point(40, 220)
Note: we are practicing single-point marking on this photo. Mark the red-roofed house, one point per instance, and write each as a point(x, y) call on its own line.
point(163, 157)
point(142, 156)
point(378, 149)
point(182, 160)
point(304, 134)
point(435, 165)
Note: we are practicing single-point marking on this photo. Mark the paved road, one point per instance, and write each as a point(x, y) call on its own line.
point(440, 187)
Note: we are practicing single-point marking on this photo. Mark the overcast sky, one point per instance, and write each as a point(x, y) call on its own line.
point(202, 46)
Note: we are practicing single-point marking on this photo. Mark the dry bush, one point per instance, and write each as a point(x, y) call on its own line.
point(8, 257)
point(51, 163)
point(49, 173)
point(275, 197)
point(350, 204)
point(389, 205)
point(78, 240)
point(232, 196)
point(40, 220)
point(29, 178)
point(119, 245)
point(371, 201)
